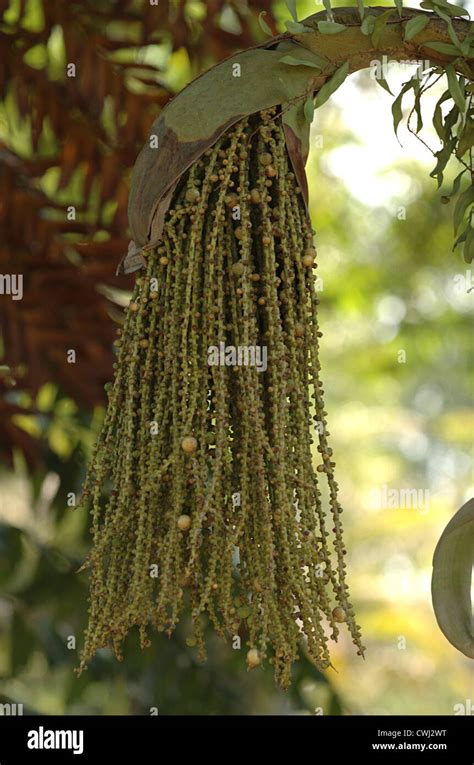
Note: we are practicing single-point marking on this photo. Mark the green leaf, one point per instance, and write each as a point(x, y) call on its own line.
point(292, 61)
point(383, 84)
point(327, 5)
point(457, 92)
point(461, 238)
point(379, 27)
point(441, 47)
point(465, 47)
point(438, 115)
point(263, 24)
point(291, 5)
point(415, 26)
point(297, 132)
point(443, 157)
point(294, 117)
point(361, 7)
point(451, 580)
point(367, 26)
point(296, 28)
point(451, 31)
point(451, 118)
point(309, 109)
point(456, 184)
point(449, 8)
point(399, 6)
point(417, 105)
point(468, 251)
point(466, 44)
point(466, 199)
point(397, 112)
point(332, 85)
point(466, 139)
point(454, 38)
point(330, 27)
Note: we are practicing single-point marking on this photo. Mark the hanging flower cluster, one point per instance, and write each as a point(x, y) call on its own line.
point(204, 494)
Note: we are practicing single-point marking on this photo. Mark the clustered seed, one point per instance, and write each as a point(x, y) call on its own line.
point(181, 439)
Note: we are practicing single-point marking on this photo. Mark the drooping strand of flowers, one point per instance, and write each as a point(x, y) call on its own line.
point(202, 484)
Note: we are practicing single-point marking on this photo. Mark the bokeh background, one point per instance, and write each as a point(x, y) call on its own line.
point(397, 318)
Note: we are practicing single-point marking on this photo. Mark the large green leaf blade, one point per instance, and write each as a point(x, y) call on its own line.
point(451, 581)
point(265, 81)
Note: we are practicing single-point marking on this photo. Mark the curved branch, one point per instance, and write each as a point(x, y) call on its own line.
point(353, 46)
